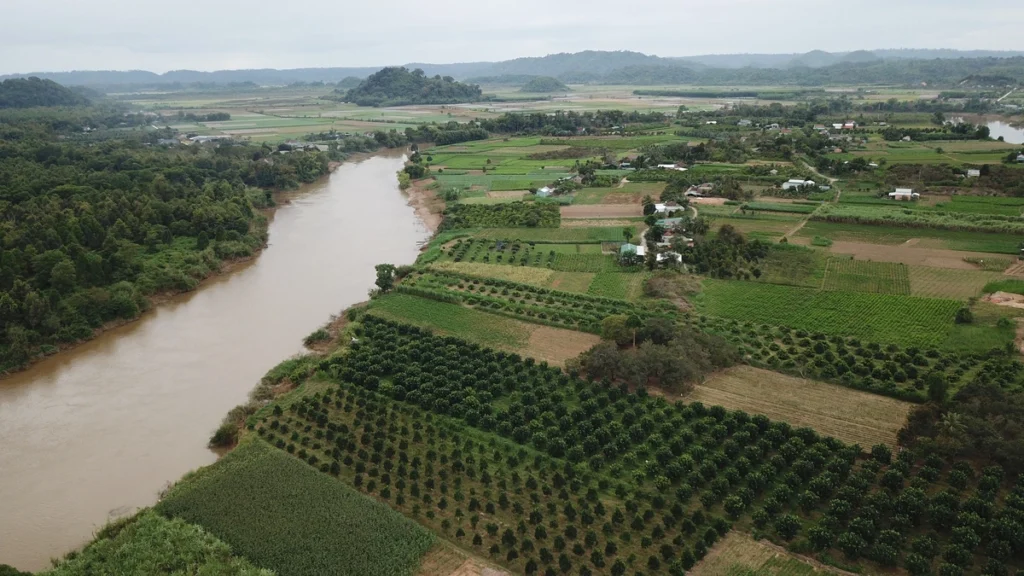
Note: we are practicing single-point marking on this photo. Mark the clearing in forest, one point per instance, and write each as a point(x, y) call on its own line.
point(740, 555)
point(853, 416)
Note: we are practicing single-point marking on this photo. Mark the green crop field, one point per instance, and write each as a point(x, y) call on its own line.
point(793, 265)
point(922, 321)
point(282, 514)
point(481, 327)
point(846, 274)
point(151, 544)
point(620, 285)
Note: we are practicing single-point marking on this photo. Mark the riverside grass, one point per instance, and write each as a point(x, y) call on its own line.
point(282, 514)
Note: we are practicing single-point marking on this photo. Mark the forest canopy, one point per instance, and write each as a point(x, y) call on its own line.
point(543, 84)
point(398, 86)
point(92, 225)
point(33, 92)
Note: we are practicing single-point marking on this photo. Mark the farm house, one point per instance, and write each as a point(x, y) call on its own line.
point(904, 194)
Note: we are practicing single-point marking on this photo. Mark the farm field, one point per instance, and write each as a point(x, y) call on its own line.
point(923, 322)
point(931, 282)
point(280, 513)
point(622, 285)
point(853, 416)
point(979, 242)
point(554, 345)
point(740, 555)
point(594, 234)
point(794, 265)
point(847, 274)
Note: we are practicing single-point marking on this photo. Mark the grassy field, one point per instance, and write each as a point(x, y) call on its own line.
point(152, 544)
point(923, 321)
point(282, 514)
point(740, 555)
point(846, 274)
point(931, 282)
point(553, 345)
point(851, 415)
point(794, 265)
point(620, 285)
point(524, 274)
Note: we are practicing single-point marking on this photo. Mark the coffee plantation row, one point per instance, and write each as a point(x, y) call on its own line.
point(889, 369)
point(548, 474)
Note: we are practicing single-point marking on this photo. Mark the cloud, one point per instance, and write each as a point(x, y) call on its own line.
point(49, 35)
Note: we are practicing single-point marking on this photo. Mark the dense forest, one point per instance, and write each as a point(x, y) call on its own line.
point(31, 92)
point(399, 86)
point(92, 224)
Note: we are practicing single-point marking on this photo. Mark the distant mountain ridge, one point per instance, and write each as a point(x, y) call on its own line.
point(586, 66)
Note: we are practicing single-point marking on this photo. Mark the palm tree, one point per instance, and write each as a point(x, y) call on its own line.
point(952, 425)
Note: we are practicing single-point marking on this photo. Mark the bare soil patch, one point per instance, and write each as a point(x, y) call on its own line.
point(909, 253)
point(429, 206)
point(709, 201)
point(601, 211)
point(508, 194)
point(851, 415)
point(1005, 299)
point(596, 223)
point(557, 345)
point(446, 560)
point(739, 553)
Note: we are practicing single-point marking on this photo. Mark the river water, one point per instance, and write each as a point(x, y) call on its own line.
point(97, 431)
point(1008, 132)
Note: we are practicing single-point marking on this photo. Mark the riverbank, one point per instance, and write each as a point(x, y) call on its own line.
point(95, 433)
point(225, 267)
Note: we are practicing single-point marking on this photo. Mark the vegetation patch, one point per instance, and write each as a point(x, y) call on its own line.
point(276, 511)
point(507, 215)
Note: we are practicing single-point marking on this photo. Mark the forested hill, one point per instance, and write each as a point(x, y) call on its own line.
point(90, 225)
point(399, 86)
point(32, 92)
point(544, 84)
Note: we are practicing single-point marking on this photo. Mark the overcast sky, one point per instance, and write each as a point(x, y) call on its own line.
point(55, 35)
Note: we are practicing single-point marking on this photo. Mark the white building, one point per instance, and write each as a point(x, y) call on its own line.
point(789, 184)
point(973, 173)
point(671, 167)
point(904, 194)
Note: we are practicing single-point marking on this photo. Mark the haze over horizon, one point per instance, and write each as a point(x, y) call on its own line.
point(62, 35)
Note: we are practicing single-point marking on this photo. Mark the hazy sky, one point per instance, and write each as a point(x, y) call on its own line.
point(52, 35)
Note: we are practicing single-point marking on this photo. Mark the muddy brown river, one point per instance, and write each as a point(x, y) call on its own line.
point(96, 432)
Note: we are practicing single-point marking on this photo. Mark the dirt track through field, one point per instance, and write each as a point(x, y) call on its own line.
point(602, 211)
point(850, 415)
